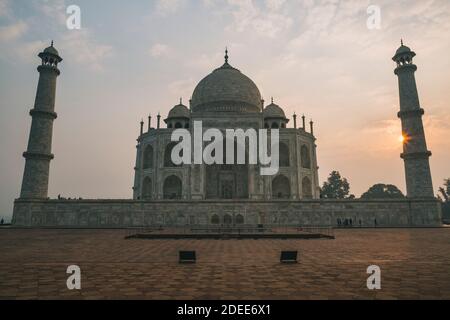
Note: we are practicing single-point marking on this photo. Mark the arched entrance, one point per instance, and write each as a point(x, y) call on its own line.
point(215, 219)
point(172, 188)
point(147, 188)
point(281, 188)
point(284, 155)
point(306, 188)
point(227, 181)
point(168, 155)
point(305, 157)
point(227, 220)
point(239, 219)
point(148, 157)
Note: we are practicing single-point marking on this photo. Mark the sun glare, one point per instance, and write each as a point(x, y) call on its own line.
point(404, 138)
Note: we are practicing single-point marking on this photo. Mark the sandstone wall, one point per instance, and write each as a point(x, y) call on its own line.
point(132, 213)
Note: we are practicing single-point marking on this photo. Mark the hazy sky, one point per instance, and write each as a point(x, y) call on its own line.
point(132, 58)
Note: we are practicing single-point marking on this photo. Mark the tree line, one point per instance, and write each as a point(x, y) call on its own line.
point(338, 187)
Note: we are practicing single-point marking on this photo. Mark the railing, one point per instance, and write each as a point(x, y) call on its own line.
point(132, 231)
point(324, 230)
point(327, 231)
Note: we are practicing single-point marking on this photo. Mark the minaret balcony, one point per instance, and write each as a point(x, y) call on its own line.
point(411, 113)
point(405, 68)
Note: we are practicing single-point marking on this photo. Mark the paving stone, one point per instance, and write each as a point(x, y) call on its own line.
point(414, 263)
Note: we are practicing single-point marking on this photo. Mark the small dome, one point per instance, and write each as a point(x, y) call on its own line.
point(402, 49)
point(51, 50)
point(274, 111)
point(179, 111)
point(403, 53)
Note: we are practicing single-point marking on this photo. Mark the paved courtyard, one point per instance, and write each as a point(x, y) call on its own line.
point(415, 263)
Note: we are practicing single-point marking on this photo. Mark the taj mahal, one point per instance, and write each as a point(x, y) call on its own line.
point(226, 99)
point(209, 194)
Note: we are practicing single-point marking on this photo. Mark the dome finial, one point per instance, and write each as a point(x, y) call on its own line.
point(401, 41)
point(181, 100)
point(226, 54)
point(51, 44)
point(272, 100)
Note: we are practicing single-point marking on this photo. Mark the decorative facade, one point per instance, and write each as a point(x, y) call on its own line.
point(226, 99)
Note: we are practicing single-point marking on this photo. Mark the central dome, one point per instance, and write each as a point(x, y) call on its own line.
point(226, 89)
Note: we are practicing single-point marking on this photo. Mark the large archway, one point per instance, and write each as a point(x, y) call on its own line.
point(284, 155)
point(227, 181)
point(172, 188)
point(305, 157)
point(147, 188)
point(215, 219)
point(148, 157)
point(239, 219)
point(307, 188)
point(168, 155)
point(281, 188)
point(227, 219)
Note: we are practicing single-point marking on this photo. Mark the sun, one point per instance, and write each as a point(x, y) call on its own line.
point(403, 138)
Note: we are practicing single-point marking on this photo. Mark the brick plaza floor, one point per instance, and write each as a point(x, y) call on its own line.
point(415, 263)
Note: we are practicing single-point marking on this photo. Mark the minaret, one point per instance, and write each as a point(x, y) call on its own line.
point(38, 154)
point(415, 153)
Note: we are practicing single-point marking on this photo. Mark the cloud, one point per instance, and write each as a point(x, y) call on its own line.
point(13, 31)
point(79, 46)
point(25, 51)
point(166, 7)
point(54, 9)
point(437, 129)
point(82, 48)
point(160, 50)
point(28, 51)
point(5, 8)
point(182, 88)
point(209, 3)
point(205, 61)
point(266, 22)
point(275, 4)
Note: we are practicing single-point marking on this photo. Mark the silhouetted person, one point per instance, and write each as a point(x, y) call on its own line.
point(2, 221)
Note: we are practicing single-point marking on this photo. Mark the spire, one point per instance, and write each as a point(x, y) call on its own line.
point(226, 55)
point(51, 44)
point(401, 41)
point(38, 154)
point(181, 100)
point(415, 154)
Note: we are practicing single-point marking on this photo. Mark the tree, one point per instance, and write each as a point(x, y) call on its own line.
point(445, 192)
point(383, 191)
point(336, 187)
